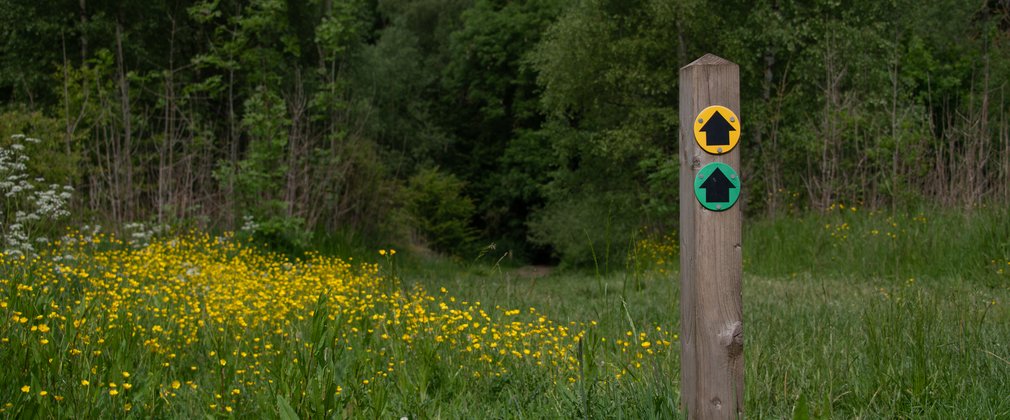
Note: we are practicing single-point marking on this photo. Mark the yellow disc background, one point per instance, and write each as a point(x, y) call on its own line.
point(719, 126)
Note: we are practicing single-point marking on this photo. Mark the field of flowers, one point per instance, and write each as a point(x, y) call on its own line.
point(850, 314)
point(202, 324)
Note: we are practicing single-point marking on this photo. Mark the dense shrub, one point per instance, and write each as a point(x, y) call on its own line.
point(439, 212)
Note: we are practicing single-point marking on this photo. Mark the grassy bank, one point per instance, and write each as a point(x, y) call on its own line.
point(847, 314)
point(203, 325)
point(848, 347)
point(825, 345)
point(968, 246)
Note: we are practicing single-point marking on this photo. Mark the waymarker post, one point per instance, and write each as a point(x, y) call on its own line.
point(711, 259)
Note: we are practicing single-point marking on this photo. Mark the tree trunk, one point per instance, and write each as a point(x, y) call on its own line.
point(896, 179)
point(124, 160)
point(166, 159)
point(84, 30)
point(68, 132)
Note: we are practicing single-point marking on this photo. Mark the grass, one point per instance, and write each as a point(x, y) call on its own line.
point(846, 241)
point(827, 346)
point(876, 349)
point(840, 322)
point(847, 314)
point(200, 325)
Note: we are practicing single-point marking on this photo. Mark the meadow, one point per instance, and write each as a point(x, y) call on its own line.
point(327, 209)
point(848, 314)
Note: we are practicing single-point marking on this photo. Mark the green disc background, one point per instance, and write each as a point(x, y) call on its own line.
point(726, 186)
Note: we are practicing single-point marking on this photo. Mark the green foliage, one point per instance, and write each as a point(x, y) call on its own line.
point(339, 30)
point(596, 231)
point(312, 113)
point(260, 175)
point(403, 123)
point(609, 87)
point(24, 66)
point(491, 104)
point(440, 212)
point(54, 158)
point(258, 179)
point(655, 253)
point(30, 207)
point(515, 191)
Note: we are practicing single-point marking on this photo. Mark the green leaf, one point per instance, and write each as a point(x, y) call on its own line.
point(800, 410)
point(284, 409)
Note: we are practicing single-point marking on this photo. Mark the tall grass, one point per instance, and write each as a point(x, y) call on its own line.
point(850, 314)
point(816, 345)
point(829, 346)
point(198, 324)
point(972, 246)
point(879, 315)
point(847, 315)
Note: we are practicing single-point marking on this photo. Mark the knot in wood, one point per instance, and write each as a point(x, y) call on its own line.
point(731, 337)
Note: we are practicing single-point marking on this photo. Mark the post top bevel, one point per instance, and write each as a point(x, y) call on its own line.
point(709, 60)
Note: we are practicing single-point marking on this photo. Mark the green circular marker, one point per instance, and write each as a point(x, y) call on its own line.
point(717, 186)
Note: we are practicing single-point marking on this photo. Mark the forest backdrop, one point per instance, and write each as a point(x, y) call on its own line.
point(546, 127)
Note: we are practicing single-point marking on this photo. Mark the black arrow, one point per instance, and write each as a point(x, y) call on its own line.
point(717, 130)
point(717, 187)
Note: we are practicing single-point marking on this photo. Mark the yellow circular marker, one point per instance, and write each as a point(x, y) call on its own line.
point(717, 129)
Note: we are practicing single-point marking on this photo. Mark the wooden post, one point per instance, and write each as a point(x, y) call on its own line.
point(711, 259)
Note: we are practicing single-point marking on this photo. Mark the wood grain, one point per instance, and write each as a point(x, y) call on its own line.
point(711, 260)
